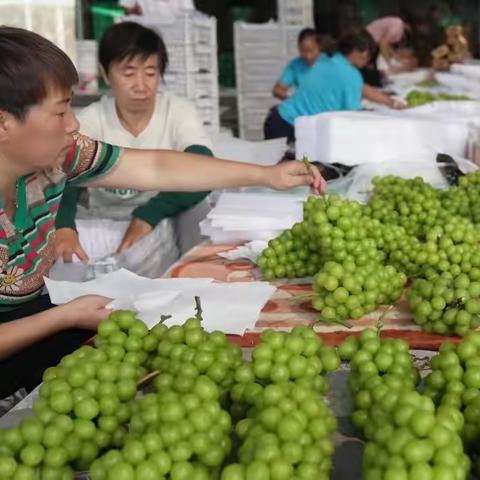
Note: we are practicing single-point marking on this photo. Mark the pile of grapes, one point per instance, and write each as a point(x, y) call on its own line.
point(455, 382)
point(149, 404)
point(363, 255)
point(415, 98)
point(282, 422)
point(407, 436)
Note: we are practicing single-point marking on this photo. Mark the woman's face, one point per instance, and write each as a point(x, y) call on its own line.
point(43, 139)
point(359, 58)
point(134, 82)
point(309, 50)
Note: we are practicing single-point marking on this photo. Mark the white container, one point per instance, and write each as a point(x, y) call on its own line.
point(87, 66)
point(191, 28)
point(295, 12)
point(353, 138)
point(257, 33)
point(251, 133)
point(290, 41)
point(192, 85)
point(53, 19)
point(192, 58)
point(256, 101)
point(261, 53)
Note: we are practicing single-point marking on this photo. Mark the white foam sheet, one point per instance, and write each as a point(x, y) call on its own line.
point(241, 216)
point(354, 138)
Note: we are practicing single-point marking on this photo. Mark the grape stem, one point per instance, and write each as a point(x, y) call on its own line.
point(147, 378)
point(164, 318)
point(343, 323)
point(306, 296)
point(379, 324)
point(198, 309)
point(306, 162)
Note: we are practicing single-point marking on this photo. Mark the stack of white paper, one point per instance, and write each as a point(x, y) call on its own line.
point(229, 307)
point(252, 216)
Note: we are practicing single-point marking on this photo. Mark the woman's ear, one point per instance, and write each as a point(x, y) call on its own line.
point(104, 75)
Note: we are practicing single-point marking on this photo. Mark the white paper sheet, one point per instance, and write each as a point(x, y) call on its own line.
point(230, 307)
point(250, 251)
point(122, 286)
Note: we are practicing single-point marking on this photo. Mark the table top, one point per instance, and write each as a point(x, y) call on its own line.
point(285, 310)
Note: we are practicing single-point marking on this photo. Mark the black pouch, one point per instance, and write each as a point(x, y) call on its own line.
point(449, 168)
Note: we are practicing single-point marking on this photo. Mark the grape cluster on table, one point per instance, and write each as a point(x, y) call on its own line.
point(168, 403)
point(408, 234)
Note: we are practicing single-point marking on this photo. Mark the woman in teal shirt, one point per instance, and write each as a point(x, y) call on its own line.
point(333, 83)
point(309, 50)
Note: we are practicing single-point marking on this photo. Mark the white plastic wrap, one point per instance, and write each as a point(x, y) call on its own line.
point(354, 138)
point(357, 185)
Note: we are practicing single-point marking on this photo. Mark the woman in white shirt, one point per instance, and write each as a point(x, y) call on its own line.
point(133, 59)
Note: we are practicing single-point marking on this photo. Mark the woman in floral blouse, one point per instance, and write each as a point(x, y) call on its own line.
point(40, 153)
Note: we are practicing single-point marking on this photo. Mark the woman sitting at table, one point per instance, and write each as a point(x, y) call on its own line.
point(133, 60)
point(309, 50)
point(333, 83)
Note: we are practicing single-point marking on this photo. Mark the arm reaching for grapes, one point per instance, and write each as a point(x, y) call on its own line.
point(84, 312)
point(165, 170)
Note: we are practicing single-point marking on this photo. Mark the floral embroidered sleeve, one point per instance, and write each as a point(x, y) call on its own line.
point(89, 159)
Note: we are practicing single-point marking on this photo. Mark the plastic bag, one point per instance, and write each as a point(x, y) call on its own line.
point(358, 183)
point(152, 255)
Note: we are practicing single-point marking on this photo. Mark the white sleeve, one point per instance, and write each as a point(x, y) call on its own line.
point(187, 128)
point(90, 123)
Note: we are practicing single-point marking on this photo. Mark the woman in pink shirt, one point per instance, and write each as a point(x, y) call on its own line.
point(387, 33)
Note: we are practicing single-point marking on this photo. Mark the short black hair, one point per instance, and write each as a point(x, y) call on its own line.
point(129, 39)
point(308, 33)
point(360, 40)
point(30, 66)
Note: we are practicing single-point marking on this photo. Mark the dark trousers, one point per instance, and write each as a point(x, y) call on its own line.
point(25, 368)
point(276, 127)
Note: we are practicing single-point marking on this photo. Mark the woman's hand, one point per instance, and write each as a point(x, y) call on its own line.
point(398, 104)
point(136, 231)
point(86, 312)
point(68, 244)
point(287, 175)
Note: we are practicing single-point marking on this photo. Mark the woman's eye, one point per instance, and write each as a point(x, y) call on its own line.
point(61, 114)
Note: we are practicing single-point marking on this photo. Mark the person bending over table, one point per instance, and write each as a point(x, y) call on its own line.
point(333, 83)
point(40, 153)
point(387, 33)
point(309, 50)
point(133, 60)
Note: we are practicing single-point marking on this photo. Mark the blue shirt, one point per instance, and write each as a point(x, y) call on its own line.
point(331, 84)
point(294, 72)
